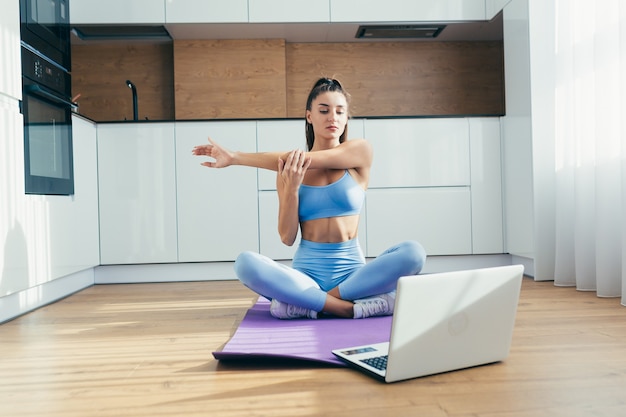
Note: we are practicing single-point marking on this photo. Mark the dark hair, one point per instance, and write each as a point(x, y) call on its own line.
point(323, 85)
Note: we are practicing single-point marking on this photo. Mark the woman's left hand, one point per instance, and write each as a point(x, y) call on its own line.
point(291, 171)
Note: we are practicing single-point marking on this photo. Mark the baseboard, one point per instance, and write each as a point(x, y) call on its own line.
point(447, 263)
point(179, 272)
point(22, 302)
point(529, 264)
point(219, 271)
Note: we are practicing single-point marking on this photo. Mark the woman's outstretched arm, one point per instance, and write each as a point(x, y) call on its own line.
point(355, 153)
point(223, 157)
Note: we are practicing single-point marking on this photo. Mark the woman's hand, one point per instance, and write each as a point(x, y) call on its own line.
point(222, 156)
point(291, 171)
point(289, 177)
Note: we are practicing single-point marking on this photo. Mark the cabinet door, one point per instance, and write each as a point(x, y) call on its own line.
point(270, 243)
point(438, 218)
point(419, 152)
point(137, 193)
point(487, 219)
point(206, 11)
point(217, 208)
point(289, 11)
point(278, 136)
point(406, 11)
point(117, 11)
point(74, 233)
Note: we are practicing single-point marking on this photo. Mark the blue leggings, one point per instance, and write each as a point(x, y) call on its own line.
point(320, 267)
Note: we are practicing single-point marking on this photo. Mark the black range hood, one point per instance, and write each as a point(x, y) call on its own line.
point(399, 31)
point(120, 32)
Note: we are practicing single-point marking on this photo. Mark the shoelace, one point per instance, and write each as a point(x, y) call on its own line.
point(375, 306)
point(296, 311)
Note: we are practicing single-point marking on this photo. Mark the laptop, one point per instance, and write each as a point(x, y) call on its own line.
point(444, 322)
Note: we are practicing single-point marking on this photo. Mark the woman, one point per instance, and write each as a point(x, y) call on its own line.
point(321, 192)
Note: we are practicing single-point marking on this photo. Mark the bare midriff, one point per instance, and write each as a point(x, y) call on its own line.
point(330, 230)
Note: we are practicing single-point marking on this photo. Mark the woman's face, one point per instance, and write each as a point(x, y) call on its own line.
point(328, 115)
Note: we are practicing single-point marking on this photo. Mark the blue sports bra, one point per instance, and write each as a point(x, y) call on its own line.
point(341, 198)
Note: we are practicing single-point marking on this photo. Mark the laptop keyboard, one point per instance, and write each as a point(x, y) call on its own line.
point(379, 362)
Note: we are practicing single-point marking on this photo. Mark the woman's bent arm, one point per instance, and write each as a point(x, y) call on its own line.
point(354, 153)
point(288, 180)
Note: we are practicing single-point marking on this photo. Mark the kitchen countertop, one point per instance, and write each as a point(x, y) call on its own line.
point(293, 118)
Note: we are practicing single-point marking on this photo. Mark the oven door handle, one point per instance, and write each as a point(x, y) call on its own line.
point(39, 90)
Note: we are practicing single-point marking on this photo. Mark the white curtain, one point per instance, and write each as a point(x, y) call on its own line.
point(590, 146)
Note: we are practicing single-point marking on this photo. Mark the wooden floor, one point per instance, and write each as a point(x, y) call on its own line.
point(145, 350)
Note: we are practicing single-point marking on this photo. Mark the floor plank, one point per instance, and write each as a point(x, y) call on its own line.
point(145, 350)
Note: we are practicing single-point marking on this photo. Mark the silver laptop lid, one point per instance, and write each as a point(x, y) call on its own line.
point(452, 320)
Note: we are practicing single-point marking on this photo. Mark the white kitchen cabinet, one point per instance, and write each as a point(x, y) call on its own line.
point(437, 181)
point(289, 11)
point(206, 11)
point(74, 232)
point(117, 12)
point(136, 169)
point(11, 74)
point(406, 11)
point(438, 217)
point(487, 206)
point(433, 180)
point(218, 213)
point(419, 152)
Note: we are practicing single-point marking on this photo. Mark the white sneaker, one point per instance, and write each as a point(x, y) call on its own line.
point(282, 310)
point(379, 305)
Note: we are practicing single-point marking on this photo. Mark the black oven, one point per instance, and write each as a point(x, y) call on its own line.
point(45, 26)
point(47, 110)
point(46, 97)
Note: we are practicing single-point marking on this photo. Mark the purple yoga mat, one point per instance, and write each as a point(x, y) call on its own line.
point(262, 336)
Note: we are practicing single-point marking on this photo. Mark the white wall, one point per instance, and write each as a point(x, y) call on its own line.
point(517, 149)
point(542, 93)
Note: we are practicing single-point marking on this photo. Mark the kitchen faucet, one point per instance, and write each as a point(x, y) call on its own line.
point(135, 107)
